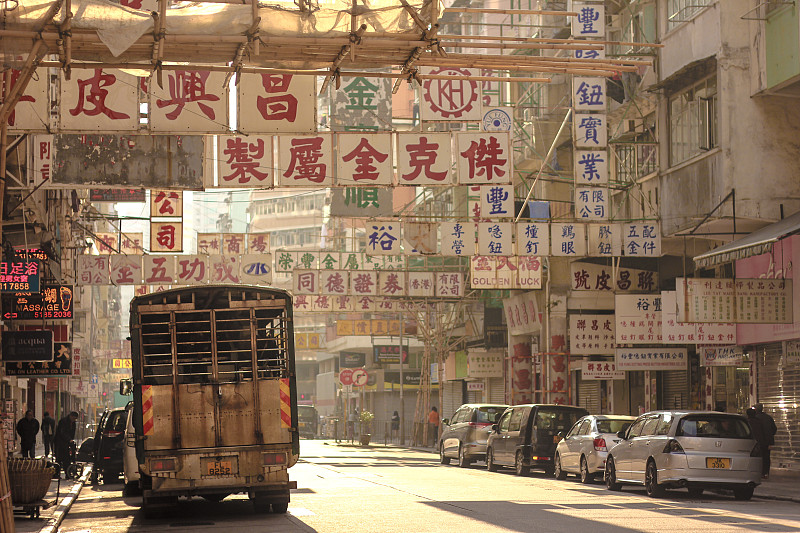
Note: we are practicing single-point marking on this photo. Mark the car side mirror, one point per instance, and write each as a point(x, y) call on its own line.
point(495, 428)
point(560, 434)
point(621, 434)
point(125, 386)
point(446, 421)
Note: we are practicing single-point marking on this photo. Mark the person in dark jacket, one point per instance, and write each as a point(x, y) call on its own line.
point(27, 429)
point(65, 432)
point(770, 429)
point(757, 429)
point(48, 432)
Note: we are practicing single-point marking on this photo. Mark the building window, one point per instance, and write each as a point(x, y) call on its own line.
point(693, 121)
point(679, 11)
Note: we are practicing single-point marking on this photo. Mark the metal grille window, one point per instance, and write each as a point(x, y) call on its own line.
point(680, 11)
point(693, 121)
point(214, 346)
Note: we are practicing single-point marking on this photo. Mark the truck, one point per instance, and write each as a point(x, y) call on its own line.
point(214, 395)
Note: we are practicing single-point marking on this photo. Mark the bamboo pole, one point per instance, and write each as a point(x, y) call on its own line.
point(6, 507)
point(355, 39)
point(510, 11)
point(545, 40)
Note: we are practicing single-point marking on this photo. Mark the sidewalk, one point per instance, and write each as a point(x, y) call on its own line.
point(780, 486)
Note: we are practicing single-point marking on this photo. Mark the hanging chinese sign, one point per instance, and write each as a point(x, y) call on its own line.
point(675, 332)
point(522, 314)
point(361, 202)
point(60, 365)
point(362, 104)
point(591, 277)
point(502, 272)
point(245, 161)
point(274, 103)
point(450, 99)
point(721, 355)
point(651, 358)
point(189, 101)
point(591, 334)
point(638, 318)
point(603, 370)
point(484, 364)
point(19, 276)
point(102, 100)
point(748, 301)
point(32, 111)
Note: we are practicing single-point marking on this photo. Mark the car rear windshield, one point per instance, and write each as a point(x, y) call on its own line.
point(613, 426)
point(713, 426)
point(489, 415)
point(555, 420)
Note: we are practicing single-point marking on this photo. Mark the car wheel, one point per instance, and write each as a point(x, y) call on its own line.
point(490, 466)
point(586, 477)
point(280, 508)
point(463, 462)
point(654, 490)
point(519, 465)
point(611, 476)
point(695, 492)
point(744, 492)
point(557, 471)
point(442, 459)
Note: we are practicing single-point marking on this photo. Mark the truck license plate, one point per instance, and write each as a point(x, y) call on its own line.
point(219, 468)
point(718, 462)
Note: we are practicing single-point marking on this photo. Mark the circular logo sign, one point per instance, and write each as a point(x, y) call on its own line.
point(497, 120)
point(450, 98)
point(346, 376)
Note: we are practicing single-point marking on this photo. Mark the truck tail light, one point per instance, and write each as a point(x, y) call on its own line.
point(162, 465)
point(274, 458)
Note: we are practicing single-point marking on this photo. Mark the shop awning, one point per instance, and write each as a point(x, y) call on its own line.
point(757, 243)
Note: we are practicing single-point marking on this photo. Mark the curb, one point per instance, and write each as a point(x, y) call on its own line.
point(66, 503)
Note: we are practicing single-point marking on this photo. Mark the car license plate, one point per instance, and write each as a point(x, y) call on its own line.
point(219, 468)
point(718, 462)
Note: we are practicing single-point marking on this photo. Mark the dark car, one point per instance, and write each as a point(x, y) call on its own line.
point(109, 445)
point(464, 436)
point(307, 420)
point(526, 436)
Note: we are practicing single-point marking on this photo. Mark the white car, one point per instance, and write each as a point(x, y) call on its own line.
point(130, 465)
point(584, 449)
point(692, 449)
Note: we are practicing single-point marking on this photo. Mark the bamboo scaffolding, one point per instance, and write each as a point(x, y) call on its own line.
point(510, 11)
point(544, 40)
point(355, 39)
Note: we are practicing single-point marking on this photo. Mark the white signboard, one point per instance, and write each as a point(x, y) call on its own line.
point(484, 364)
point(245, 161)
point(651, 358)
point(457, 238)
point(721, 355)
point(591, 370)
point(522, 314)
point(32, 111)
point(674, 332)
point(642, 240)
point(497, 201)
point(753, 301)
point(96, 100)
point(589, 94)
point(638, 318)
point(590, 22)
point(567, 240)
point(305, 161)
point(423, 159)
point(495, 238)
point(591, 131)
point(591, 167)
point(190, 101)
point(364, 159)
point(533, 238)
point(450, 99)
point(591, 334)
point(591, 203)
point(605, 240)
point(483, 158)
point(277, 103)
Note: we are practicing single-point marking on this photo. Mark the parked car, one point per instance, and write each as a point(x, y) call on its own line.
point(692, 449)
point(130, 466)
point(109, 443)
point(464, 436)
point(526, 436)
point(307, 420)
point(584, 449)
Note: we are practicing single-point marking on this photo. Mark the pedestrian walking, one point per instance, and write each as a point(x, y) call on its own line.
point(433, 424)
point(770, 429)
point(395, 425)
point(48, 432)
point(65, 433)
point(27, 429)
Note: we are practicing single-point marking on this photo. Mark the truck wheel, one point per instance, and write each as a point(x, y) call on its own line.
point(280, 508)
point(261, 504)
point(158, 507)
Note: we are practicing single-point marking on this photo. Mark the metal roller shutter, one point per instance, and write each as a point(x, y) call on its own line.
point(589, 395)
point(674, 389)
point(452, 397)
point(779, 391)
point(497, 390)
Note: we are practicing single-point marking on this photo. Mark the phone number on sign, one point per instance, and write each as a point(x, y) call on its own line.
point(19, 287)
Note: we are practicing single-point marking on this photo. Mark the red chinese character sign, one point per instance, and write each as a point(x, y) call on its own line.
point(224, 269)
point(457, 99)
point(277, 103)
point(125, 269)
point(99, 100)
point(166, 204)
point(190, 100)
point(191, 269)
point(364, 159)
point(245, 161)
point(31, 113)
point(158, 269)
point(483, 158)
point(305, 161)
point(166, 236)
point(209, 243)
point(93, 270)
point(423, 159)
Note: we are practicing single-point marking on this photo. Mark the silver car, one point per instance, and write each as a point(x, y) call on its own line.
point(692, 449)
point(464, 436)
point(584, 449)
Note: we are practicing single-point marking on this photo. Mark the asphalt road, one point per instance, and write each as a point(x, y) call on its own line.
point(377, 489)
